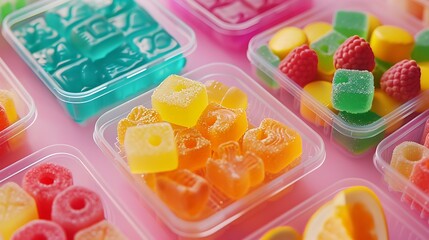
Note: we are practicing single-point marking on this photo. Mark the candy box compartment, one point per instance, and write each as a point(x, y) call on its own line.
point(261, 105)
point(242, 19)
point(24, 106)
point(412, 131)
point(355, 141)
point(83, 175)
point(153, 50)
point(400, 224)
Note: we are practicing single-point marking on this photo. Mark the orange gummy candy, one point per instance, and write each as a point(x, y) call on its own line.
point(219, 124)
point(233, 173)
point(139, 115)
point(193, 149)
point(276, 144)
point(185, 192)
point(215, 90)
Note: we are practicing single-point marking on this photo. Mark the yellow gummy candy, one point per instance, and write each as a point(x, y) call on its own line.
point(151, 148)
point(383, 104)
point(315, 30)
point(215, 90)
point(391, 44)
point(373, 23)
point(424, 78)
point(180, 100)
point(234, 98)
point(322, 92)
point(6, 100)
point(285, 40)
point(17, 208)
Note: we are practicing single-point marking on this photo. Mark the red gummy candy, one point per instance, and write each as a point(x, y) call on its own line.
point(355, 54)
point(4, 122)
point(77, 208)
point(300, 65)
point(40, 230)
point(402, 80)
point(44, 183)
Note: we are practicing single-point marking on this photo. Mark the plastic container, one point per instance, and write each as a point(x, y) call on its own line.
point(261, 105)
point(417, 8)
point(24, 106)
point(107, 80)
point(410, 194)
point(400, 225)
point(83, 175)
point(355, 141)
point(236, 21)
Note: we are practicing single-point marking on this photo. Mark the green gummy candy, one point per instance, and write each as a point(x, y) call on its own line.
point(350, 23)
point(5, 9)
point(352, 90)
point(359, 144)
point(20, 4)
point(325, 49)
point(421, 48)
point(272, 59)
point(380, 68)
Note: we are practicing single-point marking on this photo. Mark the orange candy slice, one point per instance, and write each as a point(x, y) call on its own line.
point(276, 144)
point(139, 115)
point(219, 124)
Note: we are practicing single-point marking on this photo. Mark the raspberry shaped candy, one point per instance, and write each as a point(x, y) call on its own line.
point(354, 54)
point(402, 80)
point(300, 65)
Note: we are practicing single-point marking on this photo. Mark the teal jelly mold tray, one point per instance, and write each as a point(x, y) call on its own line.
point(93, 54)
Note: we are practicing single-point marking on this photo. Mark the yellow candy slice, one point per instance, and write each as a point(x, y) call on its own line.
point(391, 44)
point(383, 104)
point(322, 92)
point(151, 148)
point(285, 40)
point(6, 100)
point(315, 30)
point(234, 98)
point(374, 22)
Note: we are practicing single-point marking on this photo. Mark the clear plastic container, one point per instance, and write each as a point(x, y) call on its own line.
point(83, 175)
point(154, 45)
point(354, 141)
point(236, 21)
point(400, 225)
point(417, 8)
point(261, 105)
point(406, 191)
point(24, 106)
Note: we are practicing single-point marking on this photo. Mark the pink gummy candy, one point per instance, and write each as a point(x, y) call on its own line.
point(420, 175)
point(77, 208)
point(40, 230)
point(44, 182)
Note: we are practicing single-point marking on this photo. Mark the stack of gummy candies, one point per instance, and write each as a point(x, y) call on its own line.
point(411, 160)
point(48, 206)
point(8, 114)
point(196, 144)
point(358, 68)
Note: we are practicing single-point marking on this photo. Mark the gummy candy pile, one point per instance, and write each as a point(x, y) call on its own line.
point(238, 11)
point(83, 44)
point(49, 206)
point(196, 146)
point(356, 67)
point(411, 160)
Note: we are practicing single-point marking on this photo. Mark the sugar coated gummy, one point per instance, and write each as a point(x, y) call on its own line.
point(276, 144)
point(193, 149)
point(8, 103)
point(138, 116)
point(77, 208)
point(180, 100)
point(16, 209)
point(185, 192)
point(232, 172)
point(406, 155)
point(44, 182)
point(351, 23)
point(219, 124)
point(40, 230)
point(420, 175)
point(102, 230)
point(352, 90)
point(151, 148)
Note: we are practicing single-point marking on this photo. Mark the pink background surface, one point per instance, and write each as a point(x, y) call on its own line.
point(53, 126)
